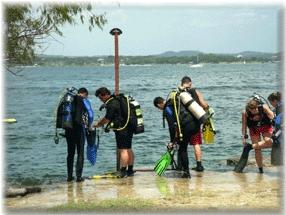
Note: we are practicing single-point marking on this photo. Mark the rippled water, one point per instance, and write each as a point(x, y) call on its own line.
point(32, 157)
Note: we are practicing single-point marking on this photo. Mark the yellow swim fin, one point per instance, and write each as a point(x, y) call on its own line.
point(209, 131)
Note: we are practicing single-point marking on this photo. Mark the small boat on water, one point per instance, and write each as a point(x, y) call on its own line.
point(197, 64)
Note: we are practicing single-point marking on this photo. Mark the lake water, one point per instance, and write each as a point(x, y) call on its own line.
point(32, 157)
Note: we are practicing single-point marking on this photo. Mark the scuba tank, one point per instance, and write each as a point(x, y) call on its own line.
point(64, 112)
point(66, 109)
point(131, 113)
point(136, 116)
point(193, 107)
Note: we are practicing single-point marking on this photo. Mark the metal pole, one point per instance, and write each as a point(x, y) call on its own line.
point(115, 32)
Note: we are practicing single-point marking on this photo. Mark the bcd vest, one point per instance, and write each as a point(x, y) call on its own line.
point(130, 115)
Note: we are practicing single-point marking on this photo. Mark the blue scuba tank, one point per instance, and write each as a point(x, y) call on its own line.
point(66, 110)
point(67, 120)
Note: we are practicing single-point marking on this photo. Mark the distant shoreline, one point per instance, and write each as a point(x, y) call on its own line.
point(171, 58)
point(143, 65)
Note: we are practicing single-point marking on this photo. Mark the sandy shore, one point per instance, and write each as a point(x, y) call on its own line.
point(208, 191)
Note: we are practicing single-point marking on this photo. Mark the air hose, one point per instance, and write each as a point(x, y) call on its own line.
point(177, 116)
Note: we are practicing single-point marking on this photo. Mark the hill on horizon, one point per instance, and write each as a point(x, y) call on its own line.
point(191, 53)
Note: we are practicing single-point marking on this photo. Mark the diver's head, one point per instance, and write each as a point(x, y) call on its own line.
point(186, 82)
point(103, 94)
point(274, 99)
point(252, 106)
point(83, 92)
point(159, 103)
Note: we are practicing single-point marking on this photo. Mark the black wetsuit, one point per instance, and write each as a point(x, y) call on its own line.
point(75, 138)
point(189, 127)
point(114, 114)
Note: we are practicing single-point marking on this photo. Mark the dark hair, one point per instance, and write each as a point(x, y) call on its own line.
point(102, 91)
point(82, 90)
point(186, 79)
point(158, 100)
point(274, 96)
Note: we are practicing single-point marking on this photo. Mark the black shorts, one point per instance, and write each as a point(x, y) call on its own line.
point(124, 139)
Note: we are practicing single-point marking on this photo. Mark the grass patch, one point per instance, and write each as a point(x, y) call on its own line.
point(116, 205)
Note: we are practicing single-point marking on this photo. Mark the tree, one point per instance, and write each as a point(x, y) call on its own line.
point(26, 26)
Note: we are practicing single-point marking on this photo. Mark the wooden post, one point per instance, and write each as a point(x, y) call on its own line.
point(115, 32)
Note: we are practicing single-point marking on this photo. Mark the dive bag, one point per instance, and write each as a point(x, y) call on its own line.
point(65, 110)
point(131, 114)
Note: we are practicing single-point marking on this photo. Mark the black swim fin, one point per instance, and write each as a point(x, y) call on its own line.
point(243, 159)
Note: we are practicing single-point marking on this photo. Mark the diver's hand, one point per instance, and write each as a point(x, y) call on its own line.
point(211, 112)
point(244, 138)
point(91, 128)
point(170, 146)
point(94, 125)
point(243, 141)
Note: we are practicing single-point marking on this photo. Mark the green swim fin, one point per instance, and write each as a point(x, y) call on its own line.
point(243, 159)
point(163, 163)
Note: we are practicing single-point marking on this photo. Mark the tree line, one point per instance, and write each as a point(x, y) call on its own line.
point(150, 59)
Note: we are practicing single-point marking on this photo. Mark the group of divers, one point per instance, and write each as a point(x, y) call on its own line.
point(189, 118)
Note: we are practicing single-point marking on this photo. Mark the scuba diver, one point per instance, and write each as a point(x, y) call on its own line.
point(277, 137)
point(196, 139)
point(276, 103)
point(121, 127)
point(82, 118)
point(258, 117)
point(182, 126)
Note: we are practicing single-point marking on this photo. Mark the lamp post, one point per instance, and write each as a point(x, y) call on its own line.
point(115, 32)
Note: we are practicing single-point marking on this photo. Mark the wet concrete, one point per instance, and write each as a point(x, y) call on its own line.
point(204, 191)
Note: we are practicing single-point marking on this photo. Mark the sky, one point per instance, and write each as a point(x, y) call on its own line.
point(154, 29)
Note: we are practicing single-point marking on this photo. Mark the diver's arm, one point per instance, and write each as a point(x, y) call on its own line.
point(89, 110)
point(101, 122)
point(203, 103)
point(171, 125)
point(269, 112)
point(243, 127)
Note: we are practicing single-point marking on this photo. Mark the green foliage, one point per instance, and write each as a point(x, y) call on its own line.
point(150, 59)
point(26, 26)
